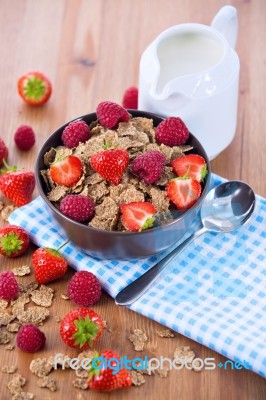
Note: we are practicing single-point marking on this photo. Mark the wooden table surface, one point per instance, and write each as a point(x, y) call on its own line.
point(90, 50)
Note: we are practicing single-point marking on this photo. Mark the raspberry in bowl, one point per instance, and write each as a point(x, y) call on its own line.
point(122, 193)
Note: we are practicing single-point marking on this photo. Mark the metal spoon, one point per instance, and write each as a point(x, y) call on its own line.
point(225, 208)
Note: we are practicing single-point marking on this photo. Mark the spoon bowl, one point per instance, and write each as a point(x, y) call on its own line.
point(225, 208)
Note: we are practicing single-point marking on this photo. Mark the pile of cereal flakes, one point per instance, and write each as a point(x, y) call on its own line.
point(136, 137)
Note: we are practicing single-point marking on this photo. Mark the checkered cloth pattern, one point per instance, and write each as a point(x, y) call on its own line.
point(214, 292)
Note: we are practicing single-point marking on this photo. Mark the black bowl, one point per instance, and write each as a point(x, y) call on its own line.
point(121, 245)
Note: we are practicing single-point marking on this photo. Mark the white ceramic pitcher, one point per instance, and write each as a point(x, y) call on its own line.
point(192, 71)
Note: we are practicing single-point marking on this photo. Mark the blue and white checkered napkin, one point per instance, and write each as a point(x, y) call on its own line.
point(213, 293)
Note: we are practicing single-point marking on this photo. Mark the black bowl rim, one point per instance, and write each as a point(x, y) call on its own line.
point(135, 113)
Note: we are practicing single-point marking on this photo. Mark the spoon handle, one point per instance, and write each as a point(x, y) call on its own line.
point(136, 289)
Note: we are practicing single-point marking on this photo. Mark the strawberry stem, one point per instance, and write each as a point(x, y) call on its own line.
point(8, 168)
point(106, 145)
point(62, 245)
point(86, 331)
point(34, 88)
point(147, 224)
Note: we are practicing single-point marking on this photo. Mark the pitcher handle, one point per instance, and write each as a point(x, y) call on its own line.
point(225, 22)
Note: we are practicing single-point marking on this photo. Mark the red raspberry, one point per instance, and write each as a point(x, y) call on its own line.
point(149, 166)
point(30, 338)
point(74, 133)
point(172, 132)
point(84, 288)
point(9, 288)
point(109, 114)
point(130, 98)
point(77, 207)
point(24, 137)
point(3, 151)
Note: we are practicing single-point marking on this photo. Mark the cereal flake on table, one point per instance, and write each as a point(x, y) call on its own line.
point(42, 366)
point(64, 296)
point(9, 347)
point(35, 315)
point(137, 378)
point(165, 333)
point(22, 271)
point(43, 296)
point(138, 338)
point(47, 382)
point(13, 327)
point(4, 336)
point(9, 369)
point(184, 353)
point(6, 211)
point(80, 383)
point(6, 318)
point(162, 372)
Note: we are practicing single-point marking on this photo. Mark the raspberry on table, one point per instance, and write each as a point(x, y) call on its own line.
point(74, 133)
point(109, 114)
point(9, 288)
point(30, 338)
point(24, 137)
point(3, 151)
point(77, 207)
point(130, 98)
point(172, 132)
point(84, 289)
point(149, 166)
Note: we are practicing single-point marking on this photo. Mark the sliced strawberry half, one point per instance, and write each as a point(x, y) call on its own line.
point(138, 215)
point(183, 192)
point(66, 172)
point(191, 165)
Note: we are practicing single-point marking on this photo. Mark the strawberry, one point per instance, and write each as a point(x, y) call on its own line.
point(138, 215)
point(191, 165)
point(17, 185)
point(183, 192)
point(48, 265)
point(66, 171)
point(34, 88)
point(14, 241)
point(81, 328)
point(108, 374)
point(110, 164)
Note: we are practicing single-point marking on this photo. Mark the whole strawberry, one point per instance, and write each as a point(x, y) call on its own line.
point(172, 132)
point(3, 151)
point(110, 164)
point(14, 241)
point(24, 137)
point(74, 133)
point(81, 328)
point(9, 288)
point(109, 114)
point(34, 88)
point(17, 186)
point(48, 265)
point(30, 338)
point(130, 98)
point(109, 376)
point(84, 288)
